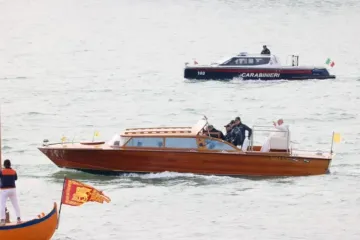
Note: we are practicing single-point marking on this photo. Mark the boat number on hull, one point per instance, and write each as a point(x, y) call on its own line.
point(259, 75)
point(278, 158)
point(281, 158)
point(201, 73)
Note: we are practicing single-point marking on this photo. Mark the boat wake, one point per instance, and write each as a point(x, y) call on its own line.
point(134, 179)
point(131, 180)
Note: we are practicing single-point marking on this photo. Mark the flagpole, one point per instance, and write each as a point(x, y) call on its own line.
point(62, 193)
point(332, 143)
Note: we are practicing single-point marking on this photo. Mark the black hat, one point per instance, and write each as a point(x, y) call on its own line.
point(231, 122)
point(238, 118)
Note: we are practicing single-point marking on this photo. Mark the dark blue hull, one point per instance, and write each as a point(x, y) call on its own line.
point(214, 73)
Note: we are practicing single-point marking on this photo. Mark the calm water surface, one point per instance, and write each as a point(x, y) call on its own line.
point(72, 67)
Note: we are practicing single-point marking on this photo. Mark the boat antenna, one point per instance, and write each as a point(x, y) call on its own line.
point(73, 138)
point(332, 143)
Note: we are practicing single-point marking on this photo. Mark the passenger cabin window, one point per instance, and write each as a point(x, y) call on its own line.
point(117, 140)
point(248, 61)
point(181, 143)
point(264, 60)
point(212, 144)
point(230, 62)
point(145, 142)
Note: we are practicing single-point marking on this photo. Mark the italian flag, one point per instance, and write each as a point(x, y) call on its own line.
point(330, 62)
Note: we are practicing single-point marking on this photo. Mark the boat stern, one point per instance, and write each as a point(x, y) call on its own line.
point(318, 162)
point(322, 73)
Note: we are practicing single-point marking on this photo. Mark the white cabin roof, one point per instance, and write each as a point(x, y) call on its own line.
point(255, 58)
point(168, 131)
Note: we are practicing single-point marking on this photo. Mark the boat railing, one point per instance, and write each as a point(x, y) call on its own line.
point(290, 144)
point(268, 129)
point(294, 60)
point(304, 150)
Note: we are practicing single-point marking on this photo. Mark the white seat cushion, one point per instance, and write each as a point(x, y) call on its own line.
point(279, 143)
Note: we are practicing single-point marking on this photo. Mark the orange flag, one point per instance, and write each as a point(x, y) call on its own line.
point(76, 193)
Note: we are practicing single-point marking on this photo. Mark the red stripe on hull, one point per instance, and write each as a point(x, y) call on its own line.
point(281, 71)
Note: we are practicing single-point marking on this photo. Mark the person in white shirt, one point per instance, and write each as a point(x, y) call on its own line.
point(283, 132)
point(283, 129)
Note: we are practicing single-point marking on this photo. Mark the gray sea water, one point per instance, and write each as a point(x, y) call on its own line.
point(68, 68)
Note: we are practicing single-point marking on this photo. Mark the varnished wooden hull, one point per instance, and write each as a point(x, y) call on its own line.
point(36, 229)
point(146, 161)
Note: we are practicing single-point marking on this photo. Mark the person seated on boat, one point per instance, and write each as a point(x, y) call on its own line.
point(214, 132)
point(228, 128)
point(281, 127)
point(265, 50)
point(281, 133)
point(8, 177)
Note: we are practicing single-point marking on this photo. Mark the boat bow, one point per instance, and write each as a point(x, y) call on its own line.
point(41, 228)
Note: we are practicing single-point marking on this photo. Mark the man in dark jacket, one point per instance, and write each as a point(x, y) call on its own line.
point(240, 129)
point(265, 50)
point(215, 133)
point(228, 127)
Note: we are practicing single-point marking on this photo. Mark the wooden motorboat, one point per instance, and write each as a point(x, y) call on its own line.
point(184, 150)
point(41, 228)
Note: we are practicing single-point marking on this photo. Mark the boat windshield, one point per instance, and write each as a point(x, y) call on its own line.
point(247, 61)
point(214, 144)
point(223, 60)
point(117, 140)
point(199, 126)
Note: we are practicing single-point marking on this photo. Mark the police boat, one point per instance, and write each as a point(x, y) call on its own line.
point(255, 67)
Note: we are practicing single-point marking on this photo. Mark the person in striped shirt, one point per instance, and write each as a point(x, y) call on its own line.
point(8, 176)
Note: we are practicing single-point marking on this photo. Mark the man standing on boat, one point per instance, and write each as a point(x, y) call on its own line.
point(265, 50)
point(236, 135)
point(8, 177)
point(242, 127)
point(228, 128)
